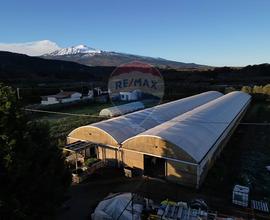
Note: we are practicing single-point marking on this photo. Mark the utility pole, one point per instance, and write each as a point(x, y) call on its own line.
point(18, 93)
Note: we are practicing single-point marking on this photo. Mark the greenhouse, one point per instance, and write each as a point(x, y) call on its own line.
point(111, 133)
point(185, 147)
point(121, 109)
point(116, 130)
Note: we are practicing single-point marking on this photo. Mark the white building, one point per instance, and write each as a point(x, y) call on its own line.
point(61, 97)
point(90, 95)
point(130, 96)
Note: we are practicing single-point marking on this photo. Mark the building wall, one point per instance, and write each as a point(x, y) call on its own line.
point(175, 171)
point(215, 152)
point(49, 101)
point(74, 97)
point(156, 146)
point(52, 100)
point(132, 159)
point(88, 133)
point(70, 99)
point(181, 173)
point(184, 174)
point(128, 96)
point(109, 154)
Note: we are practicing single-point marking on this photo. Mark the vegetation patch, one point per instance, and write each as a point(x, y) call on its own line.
point(244, 159)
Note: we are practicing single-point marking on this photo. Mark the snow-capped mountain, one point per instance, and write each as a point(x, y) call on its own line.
point(86, 55)
point(95, 57)
point(80, 49)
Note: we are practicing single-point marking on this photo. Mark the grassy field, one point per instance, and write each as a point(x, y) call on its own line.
point(61, 125)
point(92, 109)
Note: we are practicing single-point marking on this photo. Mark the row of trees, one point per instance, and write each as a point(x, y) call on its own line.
point(33, 176)
point(257, 89)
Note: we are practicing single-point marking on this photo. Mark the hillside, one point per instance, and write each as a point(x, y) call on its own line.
point(40, 76)
point(25, 69)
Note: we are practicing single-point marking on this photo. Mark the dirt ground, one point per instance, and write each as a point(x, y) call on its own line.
point(84, 197)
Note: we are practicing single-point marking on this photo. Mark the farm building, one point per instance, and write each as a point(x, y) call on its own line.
point(110, 134)
point(131, 96)
point(121, 109)
point(61, 97)
point(185, 147)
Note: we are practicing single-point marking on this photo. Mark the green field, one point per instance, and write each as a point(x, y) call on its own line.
point(60, 124)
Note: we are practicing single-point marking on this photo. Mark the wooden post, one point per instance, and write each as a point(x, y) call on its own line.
point(76, 158)
point(132, 205)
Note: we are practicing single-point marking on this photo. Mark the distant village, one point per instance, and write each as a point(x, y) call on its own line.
point(97, 93)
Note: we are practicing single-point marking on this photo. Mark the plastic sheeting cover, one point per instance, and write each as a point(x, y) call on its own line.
point(117, 207)
point(121, 109)
point(126, 126)
point(196, 131)
point(123, 127)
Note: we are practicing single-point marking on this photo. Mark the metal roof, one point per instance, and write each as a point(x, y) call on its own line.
point(123, 127)
point(197, 131)
point(77, 146)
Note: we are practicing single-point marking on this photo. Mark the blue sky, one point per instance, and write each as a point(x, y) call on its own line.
point(213, 32)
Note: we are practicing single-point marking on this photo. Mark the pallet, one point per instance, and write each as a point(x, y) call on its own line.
point(260, 205)
point(176, 212)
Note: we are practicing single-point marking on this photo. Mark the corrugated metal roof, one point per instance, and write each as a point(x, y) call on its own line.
point(197, 131)
point(121, 109)
point(123, 127)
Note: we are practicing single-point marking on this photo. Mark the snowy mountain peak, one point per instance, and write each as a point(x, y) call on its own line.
point(79, 49)
point(81, 46)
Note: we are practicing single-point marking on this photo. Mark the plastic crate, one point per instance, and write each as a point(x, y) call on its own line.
point(240, 195)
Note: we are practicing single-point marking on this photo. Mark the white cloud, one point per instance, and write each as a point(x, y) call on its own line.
point(35, 48)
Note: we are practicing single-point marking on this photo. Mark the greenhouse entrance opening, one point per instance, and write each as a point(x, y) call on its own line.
point(154, 166)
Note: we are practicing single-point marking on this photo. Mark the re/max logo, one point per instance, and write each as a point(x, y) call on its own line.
point(124, 83)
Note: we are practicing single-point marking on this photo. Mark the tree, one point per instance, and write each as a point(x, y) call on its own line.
point(229, 89)
point(246, 89)
point(32, 169)
point(266, 89)
point(257, 89)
